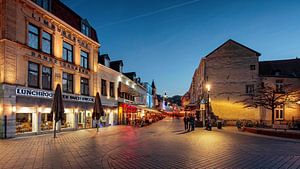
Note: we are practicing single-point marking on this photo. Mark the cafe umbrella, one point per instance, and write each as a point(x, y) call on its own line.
point(57, 108)
point(97, 110)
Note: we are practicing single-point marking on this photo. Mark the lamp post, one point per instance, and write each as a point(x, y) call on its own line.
point(208, 111)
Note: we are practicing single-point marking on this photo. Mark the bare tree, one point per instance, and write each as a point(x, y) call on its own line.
point(270, 97)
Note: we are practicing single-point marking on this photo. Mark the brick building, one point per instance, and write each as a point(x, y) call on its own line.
point(232, 71)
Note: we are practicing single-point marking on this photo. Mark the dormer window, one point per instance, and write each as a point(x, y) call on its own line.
point(43, 3)
point(106, 62)
point(121, 68)
point(85, 29)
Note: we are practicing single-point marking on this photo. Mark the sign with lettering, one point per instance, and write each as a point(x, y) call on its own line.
point(60, 63)
point(21, 91)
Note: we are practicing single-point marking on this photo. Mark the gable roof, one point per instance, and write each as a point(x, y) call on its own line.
point(230, 40)
point(280, 68)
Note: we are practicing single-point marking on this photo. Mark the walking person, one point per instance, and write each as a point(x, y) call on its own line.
point(192, 122)
point(185, 120)
point(188, 122)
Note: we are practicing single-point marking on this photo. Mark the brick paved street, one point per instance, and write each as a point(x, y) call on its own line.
point(161, 145)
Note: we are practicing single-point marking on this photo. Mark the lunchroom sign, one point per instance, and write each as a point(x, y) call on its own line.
point(49, 94)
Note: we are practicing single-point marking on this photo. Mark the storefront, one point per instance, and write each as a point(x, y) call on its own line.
point(33, 111)
point(127, 113)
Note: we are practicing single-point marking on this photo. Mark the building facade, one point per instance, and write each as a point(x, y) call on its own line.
point(233, 71)
point(45, 43)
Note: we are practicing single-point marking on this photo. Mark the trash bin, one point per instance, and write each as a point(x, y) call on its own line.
point(219, 124)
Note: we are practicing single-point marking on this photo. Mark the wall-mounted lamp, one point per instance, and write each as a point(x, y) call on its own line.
point(208, 87)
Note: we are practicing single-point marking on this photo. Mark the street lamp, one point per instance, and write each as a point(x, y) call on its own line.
point(208, 111)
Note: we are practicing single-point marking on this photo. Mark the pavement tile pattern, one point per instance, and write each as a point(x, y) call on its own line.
point(161, 145)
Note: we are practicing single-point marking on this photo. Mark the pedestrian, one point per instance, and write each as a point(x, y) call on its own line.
point(192, 122)
point(185, 120)
point(189, 122)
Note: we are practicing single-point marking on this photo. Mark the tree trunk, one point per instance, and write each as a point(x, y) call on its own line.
point(273, 114)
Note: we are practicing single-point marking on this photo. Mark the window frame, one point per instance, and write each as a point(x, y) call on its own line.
point(84, 58)
point(103, 87)
point(250, 89)
point(38, 75)
point(252, 67)
point(85, 29)
point(50, 68)
point(84, 82)
point(279, 86)
point(112, 89)
point(279, 112)
point(67, 52)
point(49, 40)
point(29, 32)
point(68, 81)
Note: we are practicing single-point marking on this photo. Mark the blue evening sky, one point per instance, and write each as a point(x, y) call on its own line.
point(164, 40)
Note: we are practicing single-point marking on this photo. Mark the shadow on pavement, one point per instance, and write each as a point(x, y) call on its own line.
point(183, 132)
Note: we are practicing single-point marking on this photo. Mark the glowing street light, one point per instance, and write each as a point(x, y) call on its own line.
point(208, 87)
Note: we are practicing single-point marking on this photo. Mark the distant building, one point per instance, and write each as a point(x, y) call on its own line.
point(233, 70)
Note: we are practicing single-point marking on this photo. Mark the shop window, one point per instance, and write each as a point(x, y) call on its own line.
point(66, 121)
point(249, 89)
point(46, 42)
point(33, 75)
point(46, 78)
point(67, 52)
point(279, 113)
point(46, 121)
point(67, 82)
point(84, 86)
point(23, 122)
point(112, 89)
point(84, 59)
point(103, 87)
point(33, 36)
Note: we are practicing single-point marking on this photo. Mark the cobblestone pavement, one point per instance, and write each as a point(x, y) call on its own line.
point(161, 145)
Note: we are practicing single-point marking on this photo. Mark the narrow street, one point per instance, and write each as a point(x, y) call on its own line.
point(161, 145)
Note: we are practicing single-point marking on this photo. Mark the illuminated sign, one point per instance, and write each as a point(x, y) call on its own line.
point(49, 94)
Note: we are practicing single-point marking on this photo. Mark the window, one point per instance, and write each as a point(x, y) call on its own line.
point(33, 36)
point(279, 113)
point(103, 87)
point(84, 59)
point(252, 67)
point(67, 52)
point(46, 42)
point(84, 86)
point(112, 89)
point(279, 86)
point(46, 78)
point(67, 82)
point(43, 3)
point(85, 29)
point(249, 89)
point(33, 74)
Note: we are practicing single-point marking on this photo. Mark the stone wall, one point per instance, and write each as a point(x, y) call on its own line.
point(228, 72)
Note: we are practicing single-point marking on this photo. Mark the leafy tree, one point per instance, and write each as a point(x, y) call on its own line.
point(270, 97)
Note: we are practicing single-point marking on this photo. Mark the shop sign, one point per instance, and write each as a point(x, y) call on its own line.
point(49, 94)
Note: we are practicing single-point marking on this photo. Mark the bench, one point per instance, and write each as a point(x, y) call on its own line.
point(280, 127)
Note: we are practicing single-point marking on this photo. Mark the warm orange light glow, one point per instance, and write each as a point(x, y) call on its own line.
point(208, 87)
